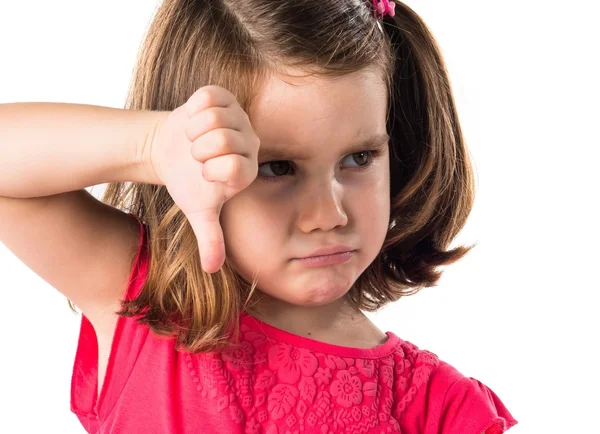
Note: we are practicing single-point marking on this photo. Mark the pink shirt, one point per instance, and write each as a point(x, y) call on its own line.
point(274, 383)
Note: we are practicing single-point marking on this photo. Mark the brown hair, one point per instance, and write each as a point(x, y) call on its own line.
point(235, 44)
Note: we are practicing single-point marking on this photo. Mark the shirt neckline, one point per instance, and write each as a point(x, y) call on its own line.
point(277, 334)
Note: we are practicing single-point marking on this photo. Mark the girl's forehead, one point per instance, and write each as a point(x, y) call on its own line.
point(317, 95)
point(343, 109)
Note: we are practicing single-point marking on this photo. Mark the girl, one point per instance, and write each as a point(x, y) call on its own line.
point(280, 168)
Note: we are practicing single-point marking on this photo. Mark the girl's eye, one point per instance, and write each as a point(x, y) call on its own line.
point(281, 168)
point(362, 157)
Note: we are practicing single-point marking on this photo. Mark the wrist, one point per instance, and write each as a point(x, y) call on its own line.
point(142, 161)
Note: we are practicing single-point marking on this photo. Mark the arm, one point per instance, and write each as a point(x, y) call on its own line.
point(79, 245)
point(51, 148)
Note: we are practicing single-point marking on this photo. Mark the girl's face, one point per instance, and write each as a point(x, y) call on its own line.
point(317, 186)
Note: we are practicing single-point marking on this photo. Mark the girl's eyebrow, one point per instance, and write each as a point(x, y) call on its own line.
point(374, 142)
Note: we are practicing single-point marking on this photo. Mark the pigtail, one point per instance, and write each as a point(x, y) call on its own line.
point(431, 178)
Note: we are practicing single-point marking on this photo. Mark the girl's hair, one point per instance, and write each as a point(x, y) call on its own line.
point(236, 44)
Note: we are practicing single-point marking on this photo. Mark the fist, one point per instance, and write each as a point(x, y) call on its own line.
point(205, 152)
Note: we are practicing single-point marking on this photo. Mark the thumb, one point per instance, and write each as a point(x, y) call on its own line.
point(211, 244)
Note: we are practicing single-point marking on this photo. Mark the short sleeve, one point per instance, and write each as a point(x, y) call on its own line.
point(471, 407)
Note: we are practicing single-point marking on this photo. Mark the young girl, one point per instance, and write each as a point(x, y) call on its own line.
point(280, 168)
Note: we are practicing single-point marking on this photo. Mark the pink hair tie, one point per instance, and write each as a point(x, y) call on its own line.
point(383, 8)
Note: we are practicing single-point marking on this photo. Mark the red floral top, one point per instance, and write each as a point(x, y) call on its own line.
point(274, 382)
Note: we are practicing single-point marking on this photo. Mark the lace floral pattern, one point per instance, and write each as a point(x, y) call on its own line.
point(269, 386)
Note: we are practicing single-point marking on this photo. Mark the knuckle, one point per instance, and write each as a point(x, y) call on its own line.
point(211, 117)
point(207, 214)
point(200, 99)
point(234, 166)
point(207, 96)
point(221, 139)
point(198, 150)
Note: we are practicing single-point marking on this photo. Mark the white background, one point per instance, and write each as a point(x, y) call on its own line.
point(519, 313)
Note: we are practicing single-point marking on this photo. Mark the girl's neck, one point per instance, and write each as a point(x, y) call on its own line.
point(336, 323)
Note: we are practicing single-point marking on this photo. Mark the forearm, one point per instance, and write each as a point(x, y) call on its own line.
point(51, 148)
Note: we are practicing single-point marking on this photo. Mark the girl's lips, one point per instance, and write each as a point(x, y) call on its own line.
point(323, 260)
point(339, 248)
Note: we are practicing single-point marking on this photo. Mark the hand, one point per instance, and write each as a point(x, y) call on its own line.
point(205, 152)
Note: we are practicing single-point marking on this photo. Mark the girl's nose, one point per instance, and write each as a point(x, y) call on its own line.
point(321, 207)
